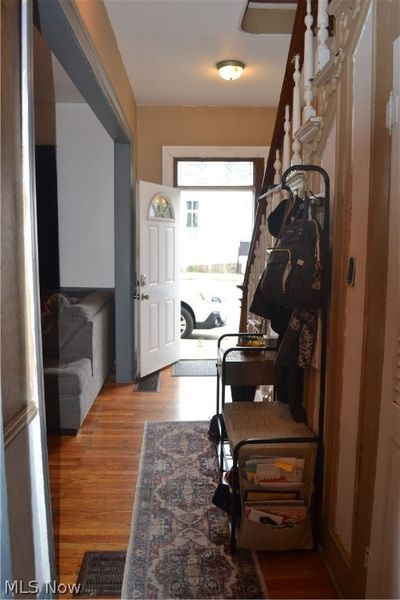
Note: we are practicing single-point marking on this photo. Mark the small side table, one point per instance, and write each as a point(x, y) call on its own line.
point(244, 365)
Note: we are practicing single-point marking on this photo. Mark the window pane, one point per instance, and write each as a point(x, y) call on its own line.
point(160, 208)
point(215, 173)
point(192, 210)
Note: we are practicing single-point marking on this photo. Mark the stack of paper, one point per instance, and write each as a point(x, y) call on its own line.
point(277, 514)
point(274, 469)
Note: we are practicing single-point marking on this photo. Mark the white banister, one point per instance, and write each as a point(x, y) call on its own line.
point(275, 199)
point(251, 286)
point(277, 167)
point(271, 205)
point(308, 66)
point(296, 112)
point(263, 242)
point(286, 141)
point(322, 54)
point(257, 258)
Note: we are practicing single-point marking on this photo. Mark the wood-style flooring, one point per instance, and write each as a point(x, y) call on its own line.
point(93, 477)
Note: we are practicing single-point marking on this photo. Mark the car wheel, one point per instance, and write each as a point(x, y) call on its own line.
point(187, 324)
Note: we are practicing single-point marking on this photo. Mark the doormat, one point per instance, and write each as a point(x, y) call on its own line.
point(194, 368)
point(180, 542)
point(150, 383)
point(101, 575)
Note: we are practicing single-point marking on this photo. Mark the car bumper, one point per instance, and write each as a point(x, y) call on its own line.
point(215, 319)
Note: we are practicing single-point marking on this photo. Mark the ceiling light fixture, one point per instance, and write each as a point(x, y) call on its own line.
point(230, 69)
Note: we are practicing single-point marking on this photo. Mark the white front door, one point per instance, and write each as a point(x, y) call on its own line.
point(384, 557)
point(158, 275)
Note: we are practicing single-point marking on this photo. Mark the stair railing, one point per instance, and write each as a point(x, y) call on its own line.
point(291, 127)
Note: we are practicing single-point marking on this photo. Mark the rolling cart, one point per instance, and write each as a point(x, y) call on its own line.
point(262, 437)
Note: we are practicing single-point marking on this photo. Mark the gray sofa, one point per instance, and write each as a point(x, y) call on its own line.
point(78, 352)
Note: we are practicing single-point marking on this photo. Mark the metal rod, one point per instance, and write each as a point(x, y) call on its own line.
point(324, 333)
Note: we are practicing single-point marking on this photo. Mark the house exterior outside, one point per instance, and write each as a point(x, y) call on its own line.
point(357, 146)
point(210, 211)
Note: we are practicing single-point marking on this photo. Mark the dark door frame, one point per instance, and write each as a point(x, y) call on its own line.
point(62, 27)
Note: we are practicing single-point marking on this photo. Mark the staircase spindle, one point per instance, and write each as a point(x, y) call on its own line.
point(308, 66)
point(286, 140)
point(252, 285)
point(296, 112)
point(277, 168)
point(322, 54)
point(257, 261)
point(263, 243)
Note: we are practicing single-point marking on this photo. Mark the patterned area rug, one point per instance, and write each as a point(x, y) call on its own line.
point(179, 546)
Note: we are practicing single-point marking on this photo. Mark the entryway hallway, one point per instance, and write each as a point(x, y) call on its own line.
point(93, 478)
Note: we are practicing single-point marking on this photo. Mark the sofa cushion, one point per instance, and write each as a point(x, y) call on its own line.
point(59, 331)
point(58, 301)
point(91, 304)
point(66, 378)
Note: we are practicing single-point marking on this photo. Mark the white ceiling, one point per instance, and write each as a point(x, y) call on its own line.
point(170, 47)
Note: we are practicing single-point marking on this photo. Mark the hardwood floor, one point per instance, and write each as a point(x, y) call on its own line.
point(93, 478)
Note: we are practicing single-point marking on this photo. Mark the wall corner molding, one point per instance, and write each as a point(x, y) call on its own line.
point(21, 421)
point(58, 16)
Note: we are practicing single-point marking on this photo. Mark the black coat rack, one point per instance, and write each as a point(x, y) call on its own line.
point(324, 203)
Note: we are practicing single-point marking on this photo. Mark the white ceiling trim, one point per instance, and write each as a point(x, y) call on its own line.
point(169, 153)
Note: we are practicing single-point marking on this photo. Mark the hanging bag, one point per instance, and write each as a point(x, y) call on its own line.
point(276, 223)
point(292, 276)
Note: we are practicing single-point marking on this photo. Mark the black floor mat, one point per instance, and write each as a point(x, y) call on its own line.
point(150, 383)
point(194, 368)
point(101, 574)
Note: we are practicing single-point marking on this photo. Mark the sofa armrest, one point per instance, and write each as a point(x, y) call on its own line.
point(58, 332)
point(90, 304)
point(80, 345)
point(75, 331)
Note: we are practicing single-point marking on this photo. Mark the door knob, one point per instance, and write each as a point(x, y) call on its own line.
point(145, 296)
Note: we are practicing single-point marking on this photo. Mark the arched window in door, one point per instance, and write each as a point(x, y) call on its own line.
point(161, 208)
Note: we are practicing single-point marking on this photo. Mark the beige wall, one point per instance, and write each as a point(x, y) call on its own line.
point(197, 126)
point(355, 167)
point(95, 18)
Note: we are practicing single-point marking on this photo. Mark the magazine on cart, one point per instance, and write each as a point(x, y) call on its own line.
point(274, 470)
point(277, 514)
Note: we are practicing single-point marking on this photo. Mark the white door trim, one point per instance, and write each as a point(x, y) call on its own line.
point(382, 578)
point(169, 153)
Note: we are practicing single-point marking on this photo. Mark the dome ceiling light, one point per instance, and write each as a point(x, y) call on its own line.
point(230, 69)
